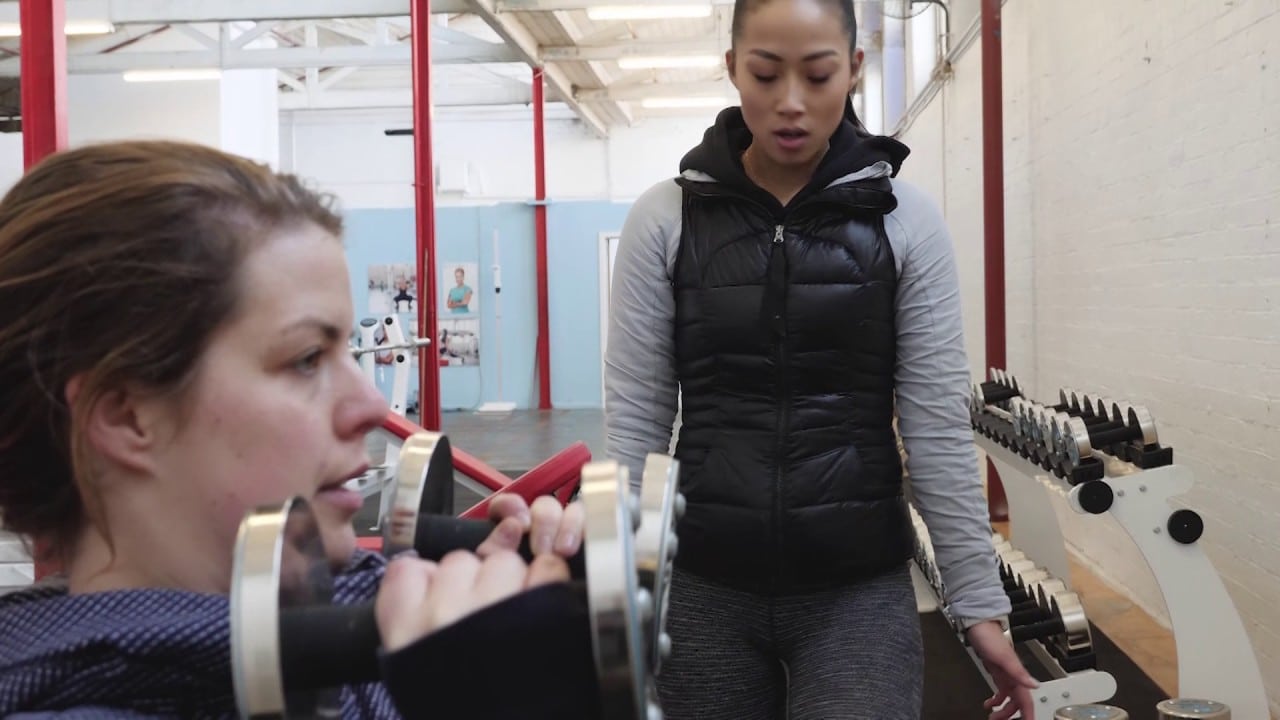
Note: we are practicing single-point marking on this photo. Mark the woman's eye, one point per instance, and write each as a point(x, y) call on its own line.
point(765, 78)
point(308, 363)
point(819, 80)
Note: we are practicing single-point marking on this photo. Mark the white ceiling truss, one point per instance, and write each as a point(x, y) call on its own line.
point(344, 54)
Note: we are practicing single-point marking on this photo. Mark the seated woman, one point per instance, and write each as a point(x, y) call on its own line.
point(173, 325)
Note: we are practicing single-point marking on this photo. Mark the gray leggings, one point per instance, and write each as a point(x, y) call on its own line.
point(853, 653)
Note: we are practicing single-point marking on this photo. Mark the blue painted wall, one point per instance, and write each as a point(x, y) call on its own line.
point(465, 234)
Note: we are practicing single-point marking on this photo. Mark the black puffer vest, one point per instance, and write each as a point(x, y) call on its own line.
point(786, 350)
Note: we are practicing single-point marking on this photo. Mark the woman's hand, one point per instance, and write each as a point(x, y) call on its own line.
point(418, 597)
point(1013, 682)
point(551, 528)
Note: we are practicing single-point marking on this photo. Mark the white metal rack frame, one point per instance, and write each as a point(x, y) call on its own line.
point(1215, 657)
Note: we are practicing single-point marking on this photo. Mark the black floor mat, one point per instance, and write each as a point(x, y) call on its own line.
point(955, 690)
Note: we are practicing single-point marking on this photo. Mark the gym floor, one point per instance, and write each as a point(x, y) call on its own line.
point(1130, 644)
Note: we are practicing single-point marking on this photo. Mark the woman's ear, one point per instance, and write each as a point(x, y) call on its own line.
point(119, 425)
point(728, 63)
point(855, 67)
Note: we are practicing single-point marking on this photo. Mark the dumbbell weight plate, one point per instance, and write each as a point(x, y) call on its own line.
point(1090, 712)
point(621, 610)
point(280, 563)
point(656, 543)
point(425, 467)
point(1137, 416)
point(1076, 636)
point(1189, 708)
point(1045, 589)
point(1025, 580)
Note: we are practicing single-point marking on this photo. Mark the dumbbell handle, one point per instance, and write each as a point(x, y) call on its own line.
point(998, 393)
point(328, 646)
point(1037, 630)
point(1020, 618)
point(325, 646)
point(1111, 436)
point(439, 535)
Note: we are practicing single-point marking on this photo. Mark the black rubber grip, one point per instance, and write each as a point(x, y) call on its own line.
point(439, 535)
point(1037, 630)
point(326, 646)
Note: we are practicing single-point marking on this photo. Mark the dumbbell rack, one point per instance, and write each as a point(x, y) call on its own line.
point(1215, 657)
point(1069, 686)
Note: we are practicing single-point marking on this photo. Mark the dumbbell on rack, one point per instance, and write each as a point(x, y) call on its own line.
point(985, 401)
point(1044, 609)
point(1090, 712)
point(1126, 431)
point(1192, 709)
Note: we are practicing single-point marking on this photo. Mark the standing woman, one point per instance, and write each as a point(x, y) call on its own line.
point(797, 295)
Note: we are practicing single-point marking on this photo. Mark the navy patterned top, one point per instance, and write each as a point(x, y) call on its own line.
point(142, 653)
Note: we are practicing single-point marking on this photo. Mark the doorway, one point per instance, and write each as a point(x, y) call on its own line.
point(608, 255)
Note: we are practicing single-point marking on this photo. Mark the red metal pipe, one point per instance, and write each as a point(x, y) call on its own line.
point(557, 475)
point(560, 475)
point(43, 68)
point(540, 228)
point(424, 193)
point(993, 216)
point(464, 463)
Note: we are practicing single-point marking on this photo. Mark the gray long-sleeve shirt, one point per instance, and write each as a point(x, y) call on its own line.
point(932, 375)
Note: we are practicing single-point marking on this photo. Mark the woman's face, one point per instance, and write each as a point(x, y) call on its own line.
point(794, 72)
point(278, 406)
point(459, 276)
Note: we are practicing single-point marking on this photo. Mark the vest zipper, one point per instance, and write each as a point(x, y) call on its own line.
point(778, 277)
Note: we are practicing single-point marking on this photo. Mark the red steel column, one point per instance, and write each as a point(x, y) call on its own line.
point(425, 204)
point(993, 216)
point(540, 227)
point(43, 69)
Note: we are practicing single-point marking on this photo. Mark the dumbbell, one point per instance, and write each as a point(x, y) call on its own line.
point(292, 648)
point(1066, 631)
point(420, 496)
point(1090, 712)
point(426, 466)
point(990, 393)
point(1061, 426)
point(1192, 709)
point(1133, 424)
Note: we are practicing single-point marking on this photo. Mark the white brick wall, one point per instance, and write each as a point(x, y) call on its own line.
point(1142, 154)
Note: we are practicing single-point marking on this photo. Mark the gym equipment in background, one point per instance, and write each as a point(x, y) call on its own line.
point(1047, 618)
point(1192, 709)
point(501, 406)
point(1102, 456)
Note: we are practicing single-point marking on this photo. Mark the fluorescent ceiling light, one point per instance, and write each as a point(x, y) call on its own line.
point(660, 103)
point(655, 11)
point(172, 75)
point(636, 62)
point(72, 27)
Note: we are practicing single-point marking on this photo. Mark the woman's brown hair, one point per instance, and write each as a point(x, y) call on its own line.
point(117, 262)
